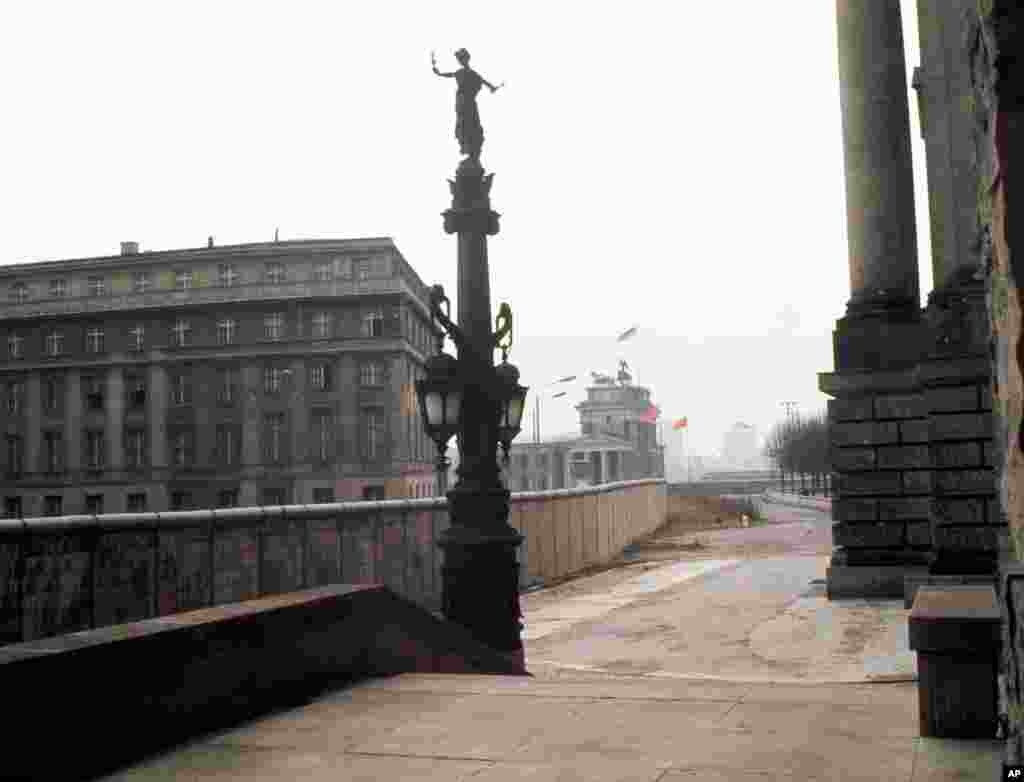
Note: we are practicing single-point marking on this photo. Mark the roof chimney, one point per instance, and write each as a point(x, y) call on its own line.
point(129, 248)
point(209, 241)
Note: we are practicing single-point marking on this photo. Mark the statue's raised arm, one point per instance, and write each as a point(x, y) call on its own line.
point(468, 130)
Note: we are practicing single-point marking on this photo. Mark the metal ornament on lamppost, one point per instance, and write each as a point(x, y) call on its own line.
point(440, 400)
point(511, 402)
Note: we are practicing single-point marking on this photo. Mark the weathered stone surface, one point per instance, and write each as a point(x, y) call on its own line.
point(988, 455)
point(878, 535)
point(919, 533)
point(952, 399)
point(945, 455)
point(904, 508)
point(964, 481)
point(848, 459)
point(884, 581)
point(903, 456)
point(870, 483)
point(983, 538)
point(900, 406)
point(864, 433)
point(917, 482)
point(985, 397)
point(961, 426)
point(856, 409)
point(854, 510)
point(965, 511)
point(914, 431)
point(993, 512)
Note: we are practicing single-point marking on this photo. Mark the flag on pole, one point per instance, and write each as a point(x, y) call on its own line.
point(630, 332)
point(650, 415)
point(679, 423)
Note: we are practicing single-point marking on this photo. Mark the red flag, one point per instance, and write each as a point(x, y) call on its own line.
point(679, 423)
point(650, 415)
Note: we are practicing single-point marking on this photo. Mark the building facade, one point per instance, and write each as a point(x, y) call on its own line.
point(268, 373)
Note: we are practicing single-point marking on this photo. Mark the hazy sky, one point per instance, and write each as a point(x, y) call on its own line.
point(677, 166)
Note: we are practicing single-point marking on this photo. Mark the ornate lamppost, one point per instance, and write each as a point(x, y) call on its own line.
point(479, 402)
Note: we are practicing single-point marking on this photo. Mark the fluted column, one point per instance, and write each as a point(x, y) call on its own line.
point(876, 148)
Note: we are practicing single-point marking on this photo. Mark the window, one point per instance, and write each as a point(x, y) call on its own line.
point(15, 454)
point(138, 334)
point(181, 333)
point(320, 377)
point(181, 445)
point(183, 280)
point(135, 449)
point(272, 380)
point(323, 495)
point(97, 286)
point(227, 498)
point(53, 505)
point(94, 340)
point(136, 391)
point(137, 502)
point(181, 500)
point(53, 452)
point(227, 275)
point(322, 272)
point(142, 282)
point(12, 507)
point(94, 450)
point(15, 397)
point(323, 429)
point(273, 325)
point(54, 343)
point(53, 393)
point(58, 289)
point(16, 346)
point(273, 426)
point(226, 328)
point(373, 323)
point(344, 267)
point(93, 387)
point(371, 373)
point(19, 293)
point(321, 325)
point(94, 504)
point(362, 268)
point(373, 429)
point(274, 273)
point(274, 497)
point(181, 389)
point(225, 386)
point(227, 445)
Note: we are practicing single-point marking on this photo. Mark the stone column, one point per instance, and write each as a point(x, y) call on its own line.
point(33, 434)
point(156, 416)
point(73, 419)
point(114, 403)
point(249, 380)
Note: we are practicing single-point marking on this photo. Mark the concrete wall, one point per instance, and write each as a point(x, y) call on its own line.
point(61, 575)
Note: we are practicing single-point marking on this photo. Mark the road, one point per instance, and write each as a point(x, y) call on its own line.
point(744, 604)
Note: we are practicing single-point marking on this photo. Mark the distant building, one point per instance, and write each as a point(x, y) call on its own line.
point(268, 373)
point(739, 448)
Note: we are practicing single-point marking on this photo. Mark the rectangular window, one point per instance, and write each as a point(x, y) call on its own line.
point(12, 507)
point(373, 323)
point(137, 502)
point(272, 380)
point(53, 452)
point(321, 325)
point(58, 289)
point(94, 504)
point(323, 272)
point(94, 338)
point(181, 333)
point(273, 427)
point(16, 346)
point(323, 430)
point(183, 280)
point(94, 450)
point(226, 328)
point(273, 326)
point(53, 505)
point(97, 286)
point(136, 387)
point(93, 387)
point(373, 429)
point(181, 500)
point(181, 445)
point(54, 344)
point(320, 377)
point(15, 397)
point(226, 386)
point(138, 335)
point(227, 275)
point(53, 394)
point(274, 497)
point(371, 373)
point(274, 273)
point(135, 449)
point(19, 293)
point(181, 389)
point(323, 495)
point(227, 445)
point(227, 498)
point(141, 282)
point(15, 454)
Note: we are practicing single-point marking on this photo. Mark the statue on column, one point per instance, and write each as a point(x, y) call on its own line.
point(468, 130)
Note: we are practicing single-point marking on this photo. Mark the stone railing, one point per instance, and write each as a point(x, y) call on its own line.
point(65, 574)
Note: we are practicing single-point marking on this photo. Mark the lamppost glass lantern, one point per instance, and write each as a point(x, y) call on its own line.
point(440, 399)
point(511, 403)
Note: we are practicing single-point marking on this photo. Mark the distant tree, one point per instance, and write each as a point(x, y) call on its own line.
point(800, 446)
